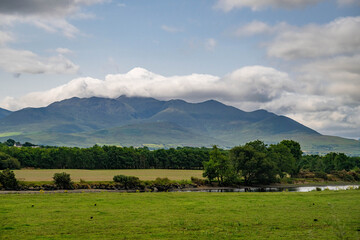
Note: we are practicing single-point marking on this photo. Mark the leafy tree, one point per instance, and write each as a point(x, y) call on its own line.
point(217, 166)
point(296, 151)
point(63, 180)
point(258, 146)
point(8, 180)
point(6, 161)
point(329, 162)
point(283, 158)
point(294, 147)
point(253, 163)
point(342, 162)
point(10, 142)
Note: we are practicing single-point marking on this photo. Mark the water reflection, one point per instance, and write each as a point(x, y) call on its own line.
point(277, 189)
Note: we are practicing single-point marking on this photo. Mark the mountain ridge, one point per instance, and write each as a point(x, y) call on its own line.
point(4, 112)
point(140, 120)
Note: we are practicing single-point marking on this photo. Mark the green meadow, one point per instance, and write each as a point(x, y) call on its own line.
point(176, 215)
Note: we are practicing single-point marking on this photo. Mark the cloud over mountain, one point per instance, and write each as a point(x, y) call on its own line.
point(249, 88)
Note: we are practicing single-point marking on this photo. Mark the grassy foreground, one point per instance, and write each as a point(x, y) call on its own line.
point(42, 175)
point(313, 215)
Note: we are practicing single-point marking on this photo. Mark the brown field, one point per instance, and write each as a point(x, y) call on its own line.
point(40, 175)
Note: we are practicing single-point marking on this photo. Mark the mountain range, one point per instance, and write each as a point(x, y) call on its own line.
point(140, 121)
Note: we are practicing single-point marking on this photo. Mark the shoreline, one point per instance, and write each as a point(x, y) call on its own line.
point(187, 189)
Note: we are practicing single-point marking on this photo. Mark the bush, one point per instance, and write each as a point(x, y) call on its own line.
point(198, 181)
point(321, 175)
point(305, 174)
point(162, 181)
point(6, 161)
point(355, 175)
point(63, 180)
point(8, 180)
point(343, 175)
point(127, 181)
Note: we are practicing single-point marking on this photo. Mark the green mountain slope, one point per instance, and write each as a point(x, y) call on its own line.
point(141, 121)
point(4, 113)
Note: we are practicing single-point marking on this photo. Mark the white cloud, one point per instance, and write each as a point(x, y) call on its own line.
point(333, 77)
point(253, 28)
point(256, 5)
point(210, 44)
point(53, 8)
point(348, 2)
point(49, 15)
point(258, 27)
point(252, 82)
point(21, 61)
point(340, 36)
point(170, 29)
point(63, 50)
point(5, 38)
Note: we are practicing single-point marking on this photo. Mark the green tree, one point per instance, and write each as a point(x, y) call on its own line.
point(217, 167)
point(6, 161)
point(8, 180)
point(296, 151)
point(10, 142)
point(253, 163)
point(283, 158)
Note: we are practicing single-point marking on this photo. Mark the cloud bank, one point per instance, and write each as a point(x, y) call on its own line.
point(324, 60)
point(340, 36)
point(49, 15)
point(256, 5)
point(248, 88)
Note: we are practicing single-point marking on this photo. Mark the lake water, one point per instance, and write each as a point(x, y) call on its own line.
point(277, 189)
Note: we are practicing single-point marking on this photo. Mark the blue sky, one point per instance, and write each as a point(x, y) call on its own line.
point(297, 58)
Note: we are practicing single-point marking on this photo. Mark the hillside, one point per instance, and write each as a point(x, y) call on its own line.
point(4, 113)
point(142, 121)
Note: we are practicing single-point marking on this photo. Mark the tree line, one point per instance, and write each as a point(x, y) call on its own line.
point(102, 157)
point(254, 162)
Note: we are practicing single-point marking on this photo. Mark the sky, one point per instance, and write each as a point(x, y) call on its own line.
point(298, 58)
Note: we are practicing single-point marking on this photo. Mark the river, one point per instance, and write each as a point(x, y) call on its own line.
point(275, 189)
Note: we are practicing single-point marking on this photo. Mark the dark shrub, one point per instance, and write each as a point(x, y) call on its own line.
point(162, 181)
point(343, 175)
point(162, 184)
point(321, 175)
point(63, 180)
point(8, 180)
point(6, 161)
point(305, 174)
point(355, 175)
point(128, 182)
point(198, 181)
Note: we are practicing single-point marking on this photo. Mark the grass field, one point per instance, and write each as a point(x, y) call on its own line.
point(42, 175)
point(8, 134)
point(313, 215)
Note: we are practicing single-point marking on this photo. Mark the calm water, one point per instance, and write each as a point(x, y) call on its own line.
point(278, 189)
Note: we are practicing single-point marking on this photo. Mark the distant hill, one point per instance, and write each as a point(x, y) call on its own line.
point(4, 113)
point(140, 121)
